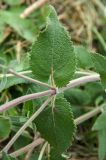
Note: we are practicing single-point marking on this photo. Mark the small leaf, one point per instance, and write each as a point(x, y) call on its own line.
point(53, 53)
point(5, 127)
point(100, 122)
point(56, 125)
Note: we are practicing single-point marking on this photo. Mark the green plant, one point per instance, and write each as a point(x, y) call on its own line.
point(57, 66)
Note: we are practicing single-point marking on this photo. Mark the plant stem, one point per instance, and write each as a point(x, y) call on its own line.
point(11, 75)
point(87, 116)
point(25, 98)
point(42, 151)
point(29, 71)
point(85, 73)
point(32, 8)
point(28, 78)
point(20, 75)
point(26, 148)
point(30, 151)
point(99, 4)
point(79, 81)
point(72, 84)
point(39, 141)
point(8, 146)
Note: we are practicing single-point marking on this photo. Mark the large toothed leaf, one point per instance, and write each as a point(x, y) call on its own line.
point(53, 54)
point(56, 125)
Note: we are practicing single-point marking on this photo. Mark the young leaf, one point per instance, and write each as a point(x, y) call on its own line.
point(5, 127)
point(56, 125)
point(53, 54)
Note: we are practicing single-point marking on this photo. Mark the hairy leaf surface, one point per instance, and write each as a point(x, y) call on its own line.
point(53, 54)
point(56, 125)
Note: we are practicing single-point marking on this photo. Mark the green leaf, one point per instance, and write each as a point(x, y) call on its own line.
point(24, 27)
point(53, 54)
point(6, 80)
point(100, 122)
point(5, 127)
point(77, 96)
point(94, 61)
point(100, 126)
point(100, 63)
point(102, 144)
point(84, 57)
point(56, 125)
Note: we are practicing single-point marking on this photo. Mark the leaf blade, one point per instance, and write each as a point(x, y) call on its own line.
point(58, 124)
point(53, 53)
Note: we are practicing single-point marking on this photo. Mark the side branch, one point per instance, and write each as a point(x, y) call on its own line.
point(28, 78)
point(25, 98)
point(39, 141)
point(26, 148)
point(11, 142)
point(21, 75)
point(79, 81)
point(87, 116)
